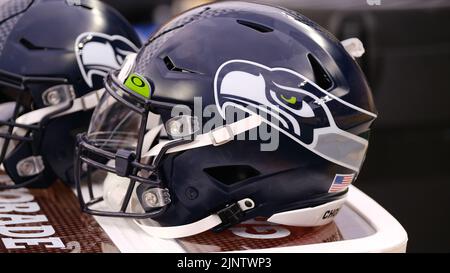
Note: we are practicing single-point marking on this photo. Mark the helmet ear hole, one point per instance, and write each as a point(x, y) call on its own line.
point(231, 174)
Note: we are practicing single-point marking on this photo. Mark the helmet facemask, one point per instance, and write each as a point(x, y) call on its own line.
point(123, 128)
point(21, 127)
point(51, 83)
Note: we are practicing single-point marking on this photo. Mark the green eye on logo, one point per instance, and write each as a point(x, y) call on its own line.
point(139, 85)
point(291, 100)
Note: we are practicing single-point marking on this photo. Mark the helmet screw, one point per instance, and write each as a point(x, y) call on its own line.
point(174, 128)
point(191, 193)
point(53, 97)
point(150, 198)
point(29, 166)
point(26, 168)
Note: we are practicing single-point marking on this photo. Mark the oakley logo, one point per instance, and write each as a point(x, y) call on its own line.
point(139, 85)
point(98, 53)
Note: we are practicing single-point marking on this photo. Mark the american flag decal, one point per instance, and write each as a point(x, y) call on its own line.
point(341, 182)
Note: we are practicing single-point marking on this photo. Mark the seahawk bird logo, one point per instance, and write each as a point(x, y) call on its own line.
point(98, 53)
point(299, 107)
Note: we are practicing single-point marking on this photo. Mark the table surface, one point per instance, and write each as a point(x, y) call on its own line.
point(58, 210)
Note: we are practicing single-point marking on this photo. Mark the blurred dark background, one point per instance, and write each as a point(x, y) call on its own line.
point(407, 63)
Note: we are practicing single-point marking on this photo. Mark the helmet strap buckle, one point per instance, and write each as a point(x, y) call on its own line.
point(233, 214)
point(221, 135)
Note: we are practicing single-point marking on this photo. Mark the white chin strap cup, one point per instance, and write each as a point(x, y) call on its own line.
point(307, 217)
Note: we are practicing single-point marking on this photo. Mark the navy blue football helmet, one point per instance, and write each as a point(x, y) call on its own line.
point(53, 55)
point(213, 76)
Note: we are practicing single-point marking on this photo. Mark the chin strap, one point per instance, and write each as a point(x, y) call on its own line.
point(216, 137)
point(224, 218)
point(231, 215)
